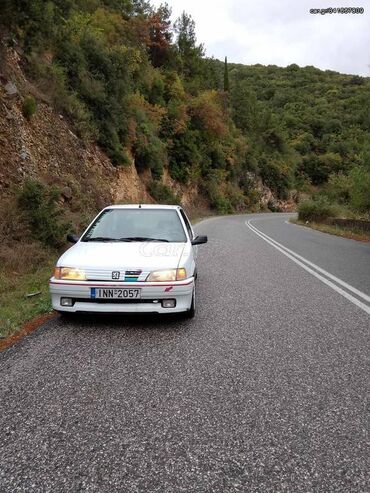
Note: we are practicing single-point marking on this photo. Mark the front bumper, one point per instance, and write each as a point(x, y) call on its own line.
point(151, 296)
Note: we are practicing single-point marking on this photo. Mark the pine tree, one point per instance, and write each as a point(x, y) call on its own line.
point(190, 52)
point(226, 76)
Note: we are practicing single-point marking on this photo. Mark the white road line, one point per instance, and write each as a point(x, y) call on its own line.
point(298, 259)
point(316, 267)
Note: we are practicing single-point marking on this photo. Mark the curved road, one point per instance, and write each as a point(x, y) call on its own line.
point(264, 391)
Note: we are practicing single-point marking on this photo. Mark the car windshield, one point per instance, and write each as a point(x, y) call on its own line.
point(137, 225)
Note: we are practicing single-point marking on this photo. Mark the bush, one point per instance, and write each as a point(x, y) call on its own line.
point(277, 175)
point(338, 188)
point(29, 107)
point(360, 189)
point(110, 142)
point(39, 207)
point(184, 153)
point(352, 190)
point(162, 193)
point(273, 207)
point(150, 154)
point(53, 82)
point(221, 197)
point(222, 204)
point(316, 210)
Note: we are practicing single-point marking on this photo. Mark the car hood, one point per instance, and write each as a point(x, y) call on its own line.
point(145, 256)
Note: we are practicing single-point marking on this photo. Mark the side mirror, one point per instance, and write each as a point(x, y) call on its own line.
point(199, 240)
point(72, 238)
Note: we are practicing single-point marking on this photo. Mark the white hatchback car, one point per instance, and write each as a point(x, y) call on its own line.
point(132, 258)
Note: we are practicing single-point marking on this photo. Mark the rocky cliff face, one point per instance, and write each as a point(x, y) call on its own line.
point(46, 148)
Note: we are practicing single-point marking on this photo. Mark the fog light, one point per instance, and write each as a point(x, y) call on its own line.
point(168, 303)
point(66, 301)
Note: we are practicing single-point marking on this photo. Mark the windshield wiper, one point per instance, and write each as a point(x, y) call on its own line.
point(103, 238)
point(142, 238)
point(129, 239)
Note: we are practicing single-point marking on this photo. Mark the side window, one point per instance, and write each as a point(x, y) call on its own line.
point(187, 224)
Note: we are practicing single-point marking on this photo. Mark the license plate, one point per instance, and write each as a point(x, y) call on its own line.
point(115, 293)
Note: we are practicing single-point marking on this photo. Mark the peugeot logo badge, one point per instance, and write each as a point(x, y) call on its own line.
point(115, 274)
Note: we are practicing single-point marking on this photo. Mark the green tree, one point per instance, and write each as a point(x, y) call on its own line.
point(186, 42)
point(243, 106)
point(226, 77)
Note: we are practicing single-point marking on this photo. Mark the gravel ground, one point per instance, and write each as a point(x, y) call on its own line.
point(264, 391)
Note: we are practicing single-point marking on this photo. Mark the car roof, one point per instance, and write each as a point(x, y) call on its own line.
point(143, 206)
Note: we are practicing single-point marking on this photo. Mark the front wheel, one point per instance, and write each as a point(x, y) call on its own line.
point(66, 315)
point(191, 312)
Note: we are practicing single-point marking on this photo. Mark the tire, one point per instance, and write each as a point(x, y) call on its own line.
point(191, 312)
point(66, 315)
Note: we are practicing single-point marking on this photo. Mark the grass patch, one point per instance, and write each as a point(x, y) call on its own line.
point(353, 234)
point(15, 308)
point(29, 107)
point(30, 231)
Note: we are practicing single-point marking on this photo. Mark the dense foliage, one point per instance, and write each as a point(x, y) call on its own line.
point(322, 116)
point(141, 86)
point(316, 210)
point(39, 207)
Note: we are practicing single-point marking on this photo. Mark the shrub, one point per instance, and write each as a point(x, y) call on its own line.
point(184, 153)
point(162, 193)
point(338, 188)
point(110, 142)
point(318, 168)
point(29, 107)
point(39, 207)
point(360, 189)
point(276, 175)
point(222, 204)
point(235, 197)
point(316, 210)
point(273, 207)
point(53, 81)
point(218, 194)
point(352, 189)
point(150, 153)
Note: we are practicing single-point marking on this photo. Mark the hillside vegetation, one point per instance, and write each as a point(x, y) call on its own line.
point(106, 86)
point(142, 87)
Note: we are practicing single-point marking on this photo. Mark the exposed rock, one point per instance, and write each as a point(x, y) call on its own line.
point(268, 199)
point(129, 187)
point(67, 193)
point(11, 89)
point(24, 154)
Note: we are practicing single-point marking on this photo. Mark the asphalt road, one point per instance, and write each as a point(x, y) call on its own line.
point(264, 391)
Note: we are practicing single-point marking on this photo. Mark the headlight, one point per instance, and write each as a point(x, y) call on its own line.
point(167, 275)
point(69, 273)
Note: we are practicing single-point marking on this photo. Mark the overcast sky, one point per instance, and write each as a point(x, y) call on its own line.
point(282, 32)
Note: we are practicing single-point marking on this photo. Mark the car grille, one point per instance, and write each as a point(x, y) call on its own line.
point(125, 275)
